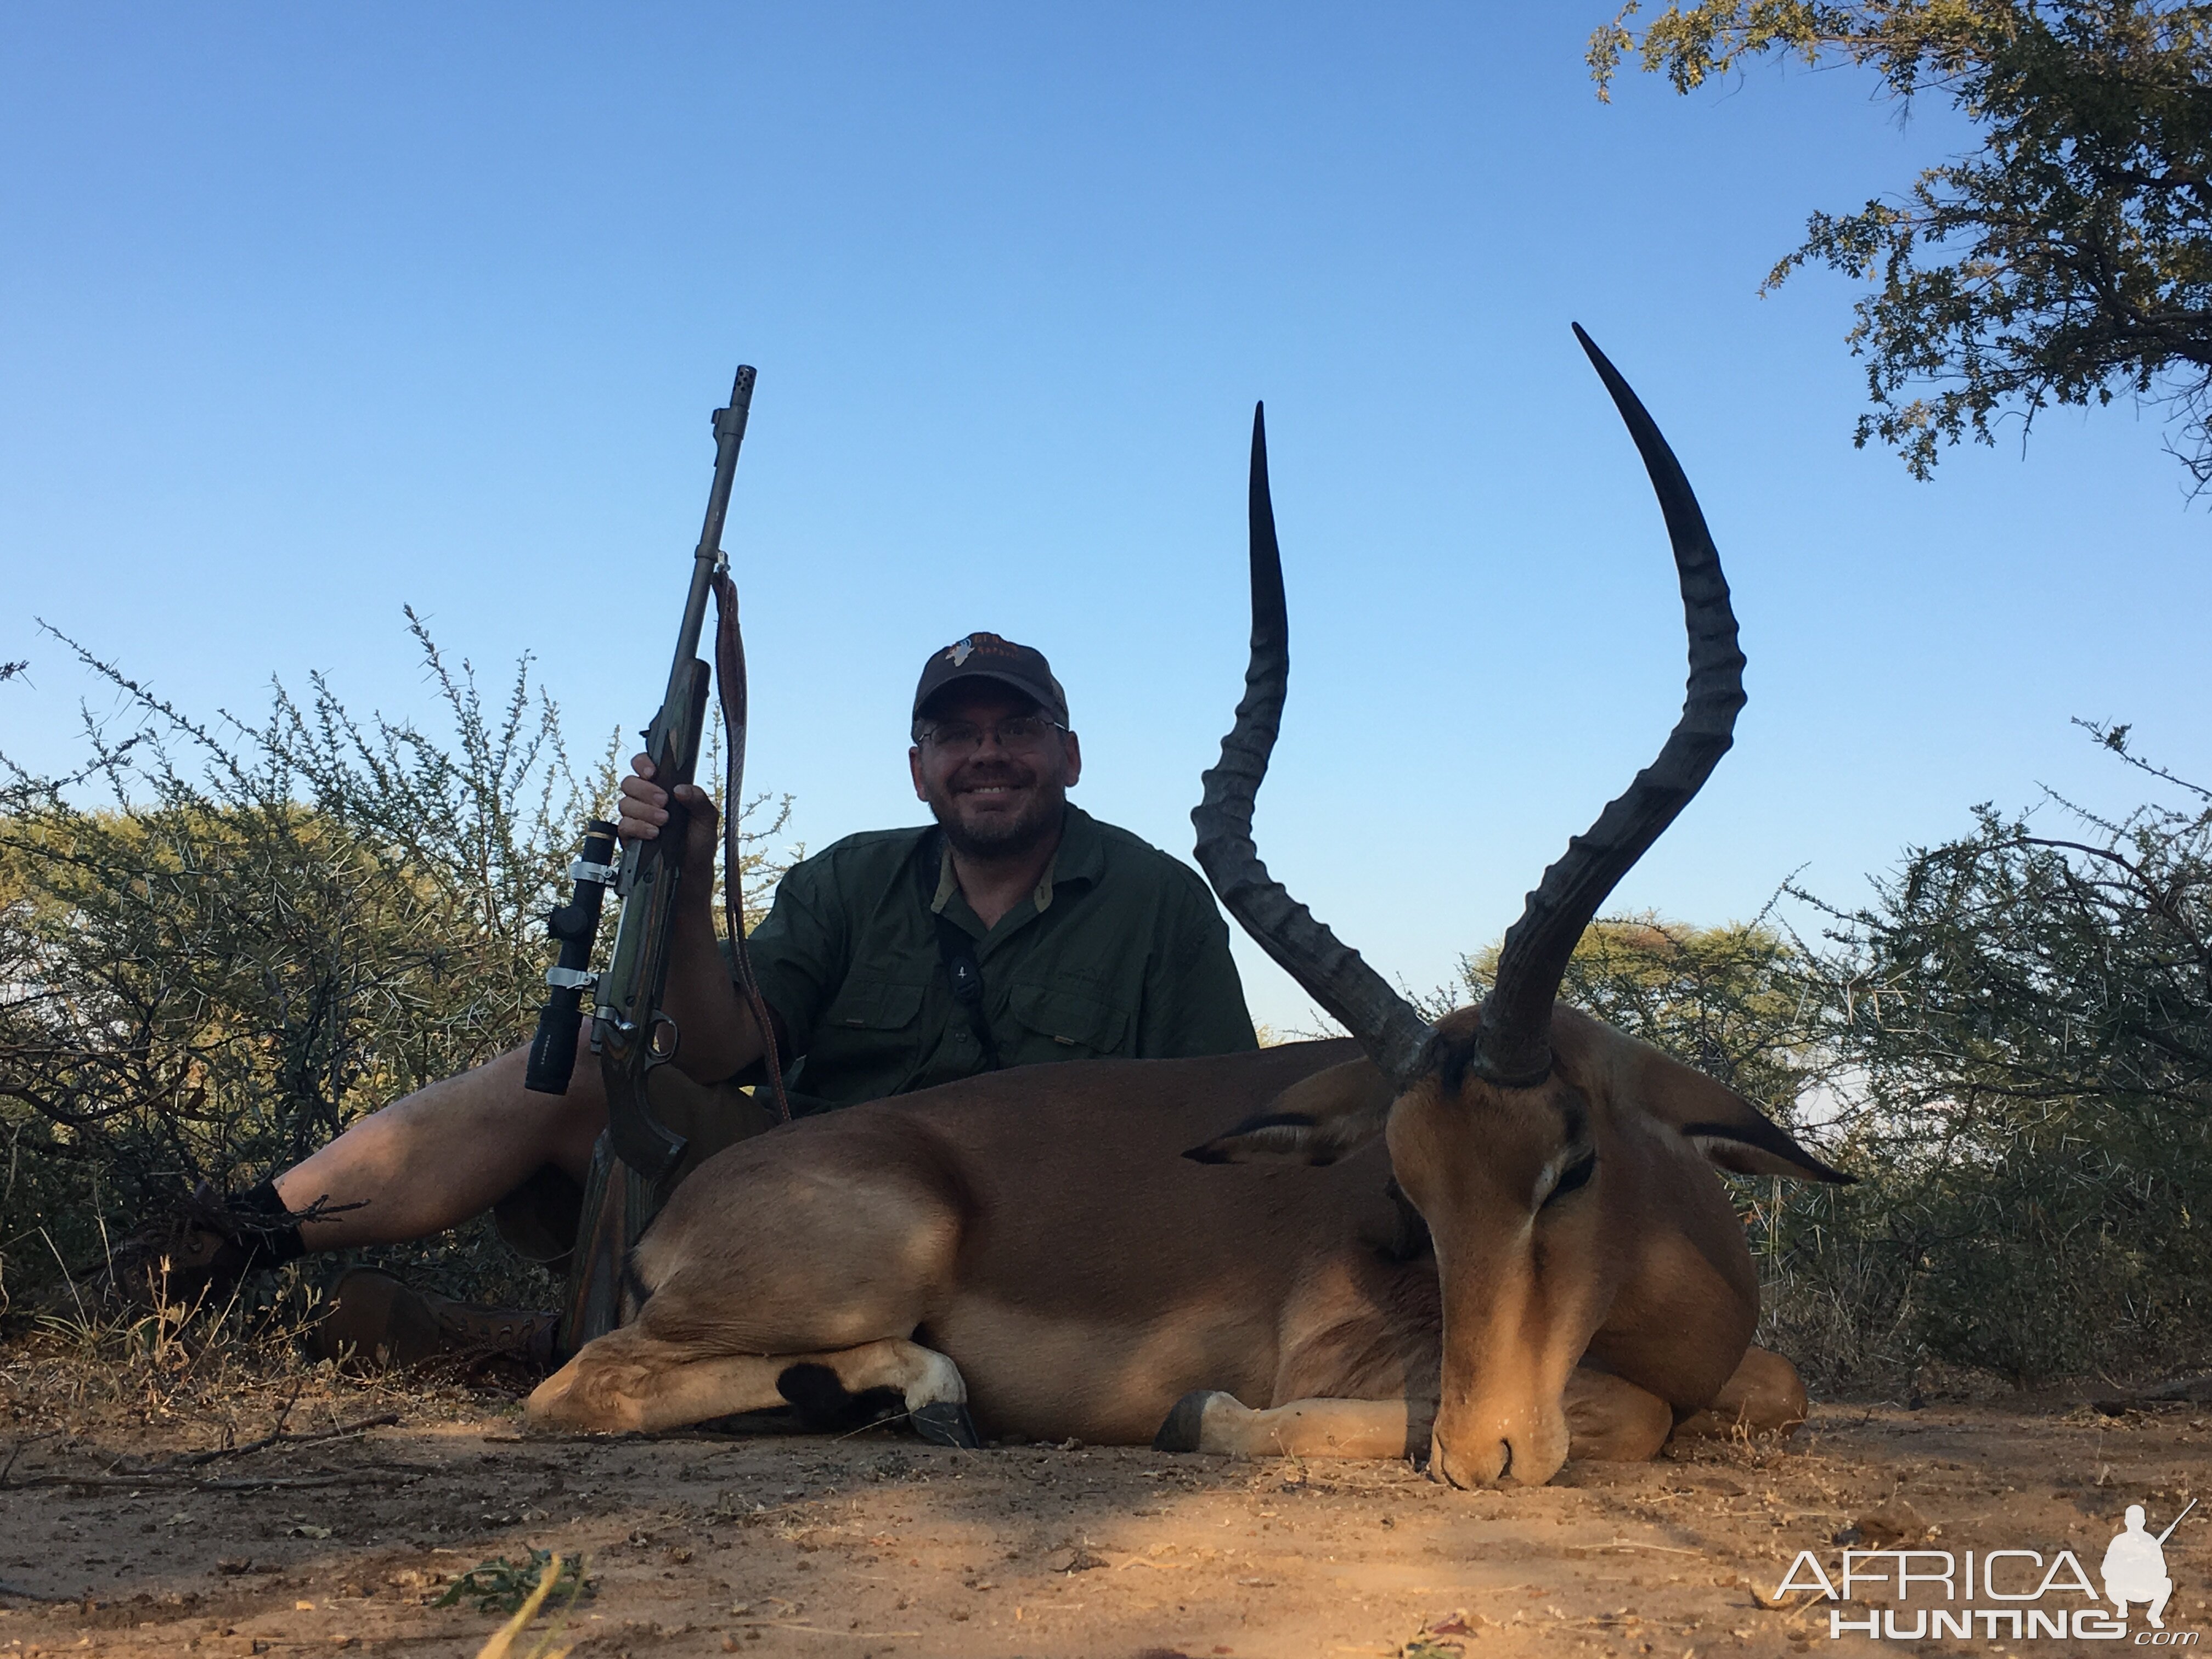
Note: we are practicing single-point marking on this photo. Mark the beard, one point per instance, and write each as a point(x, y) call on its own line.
point(996, 834)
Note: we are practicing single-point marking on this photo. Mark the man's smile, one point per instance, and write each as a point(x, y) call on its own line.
point(993, 788)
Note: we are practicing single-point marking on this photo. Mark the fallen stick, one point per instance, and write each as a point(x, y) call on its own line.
point(118, 1464)
point(196, 1460)
point(821, 1629)
point(386, 1475)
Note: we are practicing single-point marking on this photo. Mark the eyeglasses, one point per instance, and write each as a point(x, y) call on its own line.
point(1024, 734)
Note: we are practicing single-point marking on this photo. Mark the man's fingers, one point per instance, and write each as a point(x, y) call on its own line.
point(641, 764)
point(643, 808)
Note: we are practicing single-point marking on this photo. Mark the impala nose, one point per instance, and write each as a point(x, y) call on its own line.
point(1486, 1465)
point(1521, 1456)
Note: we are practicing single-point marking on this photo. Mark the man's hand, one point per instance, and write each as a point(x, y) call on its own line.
point(719, 1037)
point(643, 811)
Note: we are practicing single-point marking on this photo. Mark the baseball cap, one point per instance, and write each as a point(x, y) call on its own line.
point(988, 657)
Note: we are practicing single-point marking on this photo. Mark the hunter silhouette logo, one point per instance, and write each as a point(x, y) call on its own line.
point(2134, 1566)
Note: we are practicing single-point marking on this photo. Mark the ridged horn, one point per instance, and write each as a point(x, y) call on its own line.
point(1331, 972)
point(1513, 1045)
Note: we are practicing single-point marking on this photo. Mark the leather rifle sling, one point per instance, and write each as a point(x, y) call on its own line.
point(730, 686)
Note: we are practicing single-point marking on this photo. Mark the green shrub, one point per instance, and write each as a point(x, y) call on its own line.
point(2026, 1022)
point(258, 934)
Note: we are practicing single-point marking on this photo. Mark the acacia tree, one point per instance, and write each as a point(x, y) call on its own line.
point(2068, 261)
point(2027, 1017)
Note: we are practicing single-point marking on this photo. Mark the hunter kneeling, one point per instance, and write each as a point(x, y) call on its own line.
point(1087, 941)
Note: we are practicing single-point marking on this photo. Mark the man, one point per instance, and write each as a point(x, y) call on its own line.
point(1088, 942)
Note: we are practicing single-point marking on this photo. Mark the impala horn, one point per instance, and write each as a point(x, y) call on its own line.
point(1513, 1043)
point(1333, 976)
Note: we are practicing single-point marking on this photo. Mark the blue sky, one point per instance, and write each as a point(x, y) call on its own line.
point(307, 313)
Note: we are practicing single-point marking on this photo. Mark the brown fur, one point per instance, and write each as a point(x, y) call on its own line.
point(1040, 1228)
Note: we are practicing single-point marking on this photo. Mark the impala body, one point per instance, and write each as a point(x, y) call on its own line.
point(1499, 1238)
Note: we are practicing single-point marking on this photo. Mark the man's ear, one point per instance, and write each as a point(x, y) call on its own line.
point(1317, 1120)
point(1731, 1132)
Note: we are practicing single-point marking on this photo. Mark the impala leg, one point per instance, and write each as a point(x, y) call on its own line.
point(1611, 1421)
point(1765, 1397)
point(1608, 1421)
point(1207, 1420)
point(629, 1381)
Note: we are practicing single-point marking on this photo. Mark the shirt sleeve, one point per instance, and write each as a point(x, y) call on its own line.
point(801, 951)
point(1194, 1000)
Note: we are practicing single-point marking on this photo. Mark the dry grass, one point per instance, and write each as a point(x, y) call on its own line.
point(214, 1378)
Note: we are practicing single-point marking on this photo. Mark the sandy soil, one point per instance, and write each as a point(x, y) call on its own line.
point(876, 1544)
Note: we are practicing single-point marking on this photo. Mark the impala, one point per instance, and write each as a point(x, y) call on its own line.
point(1495, 1239)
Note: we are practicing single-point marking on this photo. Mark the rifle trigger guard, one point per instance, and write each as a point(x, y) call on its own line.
point(654, 1053)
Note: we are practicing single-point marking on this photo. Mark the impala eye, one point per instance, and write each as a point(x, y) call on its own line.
point(1576, 1174)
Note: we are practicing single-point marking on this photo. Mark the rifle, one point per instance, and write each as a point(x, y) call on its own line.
point(631, 1032)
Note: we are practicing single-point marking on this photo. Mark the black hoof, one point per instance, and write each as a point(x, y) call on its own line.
point(1180, 1432)
point(945, 1423)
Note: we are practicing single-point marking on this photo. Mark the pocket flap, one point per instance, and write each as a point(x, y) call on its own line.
point(1071, 1021)
point(875, 1004)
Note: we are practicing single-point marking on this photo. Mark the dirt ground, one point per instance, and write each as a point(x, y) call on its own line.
point(150, 1538)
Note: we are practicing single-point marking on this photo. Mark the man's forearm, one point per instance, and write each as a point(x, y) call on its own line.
point(717, 1035)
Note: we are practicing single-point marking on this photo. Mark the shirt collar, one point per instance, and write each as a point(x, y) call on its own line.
point(1080, 858)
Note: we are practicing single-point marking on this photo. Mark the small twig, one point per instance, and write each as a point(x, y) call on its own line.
point(285, 1415)
point(120, 1472)
point(384, 1474)
point(17, 1451)
point(818, 1630)
point(84, 1319)
point(197, 1459)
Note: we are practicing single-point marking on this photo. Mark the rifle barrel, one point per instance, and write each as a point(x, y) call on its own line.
point(729, 435)
point(2176, 1521)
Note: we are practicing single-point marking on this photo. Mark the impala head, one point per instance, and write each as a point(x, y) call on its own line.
point(1507, 1148)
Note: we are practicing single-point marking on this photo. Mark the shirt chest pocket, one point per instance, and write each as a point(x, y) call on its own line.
point(1071, 1024)
point(872, 1006)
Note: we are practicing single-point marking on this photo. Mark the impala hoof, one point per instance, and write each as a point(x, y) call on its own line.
point(945, 1423)
point(1186, 1422)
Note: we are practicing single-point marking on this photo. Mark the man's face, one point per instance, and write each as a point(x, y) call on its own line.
point(993, 797)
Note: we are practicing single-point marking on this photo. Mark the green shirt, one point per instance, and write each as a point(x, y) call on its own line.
point(1118, 951)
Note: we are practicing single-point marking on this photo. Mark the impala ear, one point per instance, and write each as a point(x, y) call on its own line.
point(1726, 1128)
point(1317, 1120)
point(1731, 1132)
